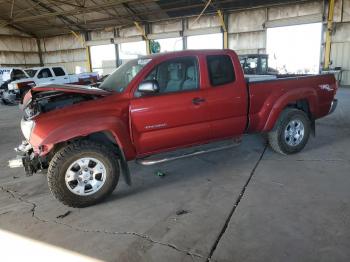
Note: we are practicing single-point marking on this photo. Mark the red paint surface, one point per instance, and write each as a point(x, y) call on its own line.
point(146, 125)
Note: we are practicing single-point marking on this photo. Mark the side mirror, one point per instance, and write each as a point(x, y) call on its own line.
point(149, 87)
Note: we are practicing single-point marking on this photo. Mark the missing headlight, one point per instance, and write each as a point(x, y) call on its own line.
point(27, 127)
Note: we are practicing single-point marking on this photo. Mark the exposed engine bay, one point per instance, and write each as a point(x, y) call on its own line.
point(39, 101)
point(50, 100)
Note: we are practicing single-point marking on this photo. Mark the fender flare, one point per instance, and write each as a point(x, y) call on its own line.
point(108, 138)
point(308, 94)
point(85, 127)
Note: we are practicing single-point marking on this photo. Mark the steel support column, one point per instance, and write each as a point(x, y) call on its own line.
point(83, 40)
point(144, 34)
point(224, 23)
point(327, 53)
point(40, 53)
point(116, 46)
point(184, 38)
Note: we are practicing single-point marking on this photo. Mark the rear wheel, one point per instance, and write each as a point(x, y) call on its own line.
point(83, 173)
point(291, 132)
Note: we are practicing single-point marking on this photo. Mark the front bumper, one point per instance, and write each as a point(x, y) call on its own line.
point(333, 106)
point(27, 159)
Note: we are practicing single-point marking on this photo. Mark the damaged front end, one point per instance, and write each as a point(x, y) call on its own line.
point(28, 159)
point(26, 156)
point(41, 100)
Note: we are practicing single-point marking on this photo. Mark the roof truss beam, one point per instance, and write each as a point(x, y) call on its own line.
point(62, 17)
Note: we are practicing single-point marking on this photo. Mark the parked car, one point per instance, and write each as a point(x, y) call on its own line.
point(160, 103)
point(48, 75)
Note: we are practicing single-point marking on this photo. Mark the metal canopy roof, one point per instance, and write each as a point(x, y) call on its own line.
point(54, 17)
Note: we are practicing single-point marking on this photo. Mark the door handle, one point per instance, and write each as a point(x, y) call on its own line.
point(197, 100)
point(52, 79)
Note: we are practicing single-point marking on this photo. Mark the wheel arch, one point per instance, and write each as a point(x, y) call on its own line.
point(305, 101)
point(106, 138)
point(106, 128)
point(277, 138)
point(304, 105)
point(66, 157)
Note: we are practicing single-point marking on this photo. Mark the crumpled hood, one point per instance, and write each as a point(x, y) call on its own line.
point(48, 90)
point(78, 89)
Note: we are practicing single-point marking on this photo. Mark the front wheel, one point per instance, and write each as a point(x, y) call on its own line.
point(291, 132)
point(83, 173)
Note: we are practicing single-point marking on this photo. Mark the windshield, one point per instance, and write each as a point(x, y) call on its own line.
point(18, 74)
point(31, 72)
point(123, 75)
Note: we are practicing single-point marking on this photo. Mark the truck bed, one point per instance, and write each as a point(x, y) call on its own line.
point(269, 96)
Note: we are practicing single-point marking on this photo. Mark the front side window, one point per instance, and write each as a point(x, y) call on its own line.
point(58, 71)
point(220, 69)
point(123, 75)
point(175, 75)
point(44, 73)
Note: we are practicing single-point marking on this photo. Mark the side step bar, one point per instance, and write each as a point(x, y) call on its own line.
point(152, 160)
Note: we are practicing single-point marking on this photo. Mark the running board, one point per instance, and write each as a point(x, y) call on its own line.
point(198, 150)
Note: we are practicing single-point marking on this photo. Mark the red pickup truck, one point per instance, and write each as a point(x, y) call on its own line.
point(174, 102)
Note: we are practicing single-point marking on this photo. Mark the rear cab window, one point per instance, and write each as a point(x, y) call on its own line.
point(58, 71)
point(44, 73)
point(220, 69)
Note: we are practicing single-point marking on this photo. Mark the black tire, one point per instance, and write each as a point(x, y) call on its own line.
point(63, 159)
point(276, 137)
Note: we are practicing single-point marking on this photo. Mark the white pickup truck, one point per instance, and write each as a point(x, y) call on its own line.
point(43, 76)
point(53, 75)
point(11, 74)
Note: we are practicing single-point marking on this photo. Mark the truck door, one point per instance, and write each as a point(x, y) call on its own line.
point(177, 115)
point(60, 75)
point(44, 77)
point(227, 97)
